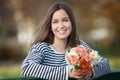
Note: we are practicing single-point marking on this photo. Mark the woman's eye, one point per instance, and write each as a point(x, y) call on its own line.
point(66, 20)
point(55, 21)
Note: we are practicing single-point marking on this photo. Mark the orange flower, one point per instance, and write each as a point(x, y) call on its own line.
point(84, 64)
point(72, 59)
point(80, 60)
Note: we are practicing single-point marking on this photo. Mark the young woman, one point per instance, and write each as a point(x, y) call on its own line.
point(46, 57)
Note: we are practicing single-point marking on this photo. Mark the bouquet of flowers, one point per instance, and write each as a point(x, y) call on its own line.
point(82, 60)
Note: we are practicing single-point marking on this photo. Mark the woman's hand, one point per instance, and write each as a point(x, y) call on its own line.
point(73, 74)
point(84, 76)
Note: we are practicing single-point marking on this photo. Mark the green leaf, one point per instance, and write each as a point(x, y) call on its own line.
point(77, 67)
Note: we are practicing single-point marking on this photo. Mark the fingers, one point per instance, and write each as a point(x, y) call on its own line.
point(86, 77)
point(73, 74)
point(79, 77)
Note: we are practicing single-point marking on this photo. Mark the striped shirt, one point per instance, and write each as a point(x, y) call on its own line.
point(44, 62)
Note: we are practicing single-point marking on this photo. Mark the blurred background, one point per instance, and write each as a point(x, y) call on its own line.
point(98, 23)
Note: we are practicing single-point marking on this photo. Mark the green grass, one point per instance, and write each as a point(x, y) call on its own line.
point(114, 63)
point(11, 70)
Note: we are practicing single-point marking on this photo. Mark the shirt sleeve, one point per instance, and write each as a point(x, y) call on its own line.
point(32, 67)
point(102, 67)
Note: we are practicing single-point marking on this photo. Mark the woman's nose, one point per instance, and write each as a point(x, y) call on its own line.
point(61, 25)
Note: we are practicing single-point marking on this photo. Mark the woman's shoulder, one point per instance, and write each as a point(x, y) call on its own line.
point(85, 44)
point(82, 42)
point(40, 45)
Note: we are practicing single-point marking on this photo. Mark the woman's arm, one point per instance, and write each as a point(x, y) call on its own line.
point(32, 67)
point(101, 68)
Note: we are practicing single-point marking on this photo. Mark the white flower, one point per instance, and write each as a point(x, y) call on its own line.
point(94, 54)
point(72, 53)
point(95, 57)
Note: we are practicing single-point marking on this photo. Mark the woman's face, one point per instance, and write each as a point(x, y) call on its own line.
point(61, 25)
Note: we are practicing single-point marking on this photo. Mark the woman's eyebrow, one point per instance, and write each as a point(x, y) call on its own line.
point(65, 17)
point(62, 18)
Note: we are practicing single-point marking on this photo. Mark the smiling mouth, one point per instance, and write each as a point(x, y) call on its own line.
point(62, 31)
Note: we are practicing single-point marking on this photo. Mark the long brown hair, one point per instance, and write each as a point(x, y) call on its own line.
point(44, 33)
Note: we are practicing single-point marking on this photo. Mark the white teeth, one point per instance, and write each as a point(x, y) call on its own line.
point(62, 31)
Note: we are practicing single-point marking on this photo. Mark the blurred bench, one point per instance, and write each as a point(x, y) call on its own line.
point(113, 75)
point(22, 78)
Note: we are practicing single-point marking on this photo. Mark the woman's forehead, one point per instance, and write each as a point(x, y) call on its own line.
point(60, 14)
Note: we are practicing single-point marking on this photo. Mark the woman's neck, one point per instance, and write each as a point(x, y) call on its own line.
point(59, 46)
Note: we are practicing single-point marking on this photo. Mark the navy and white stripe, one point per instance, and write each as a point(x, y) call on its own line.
point(43, 62)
